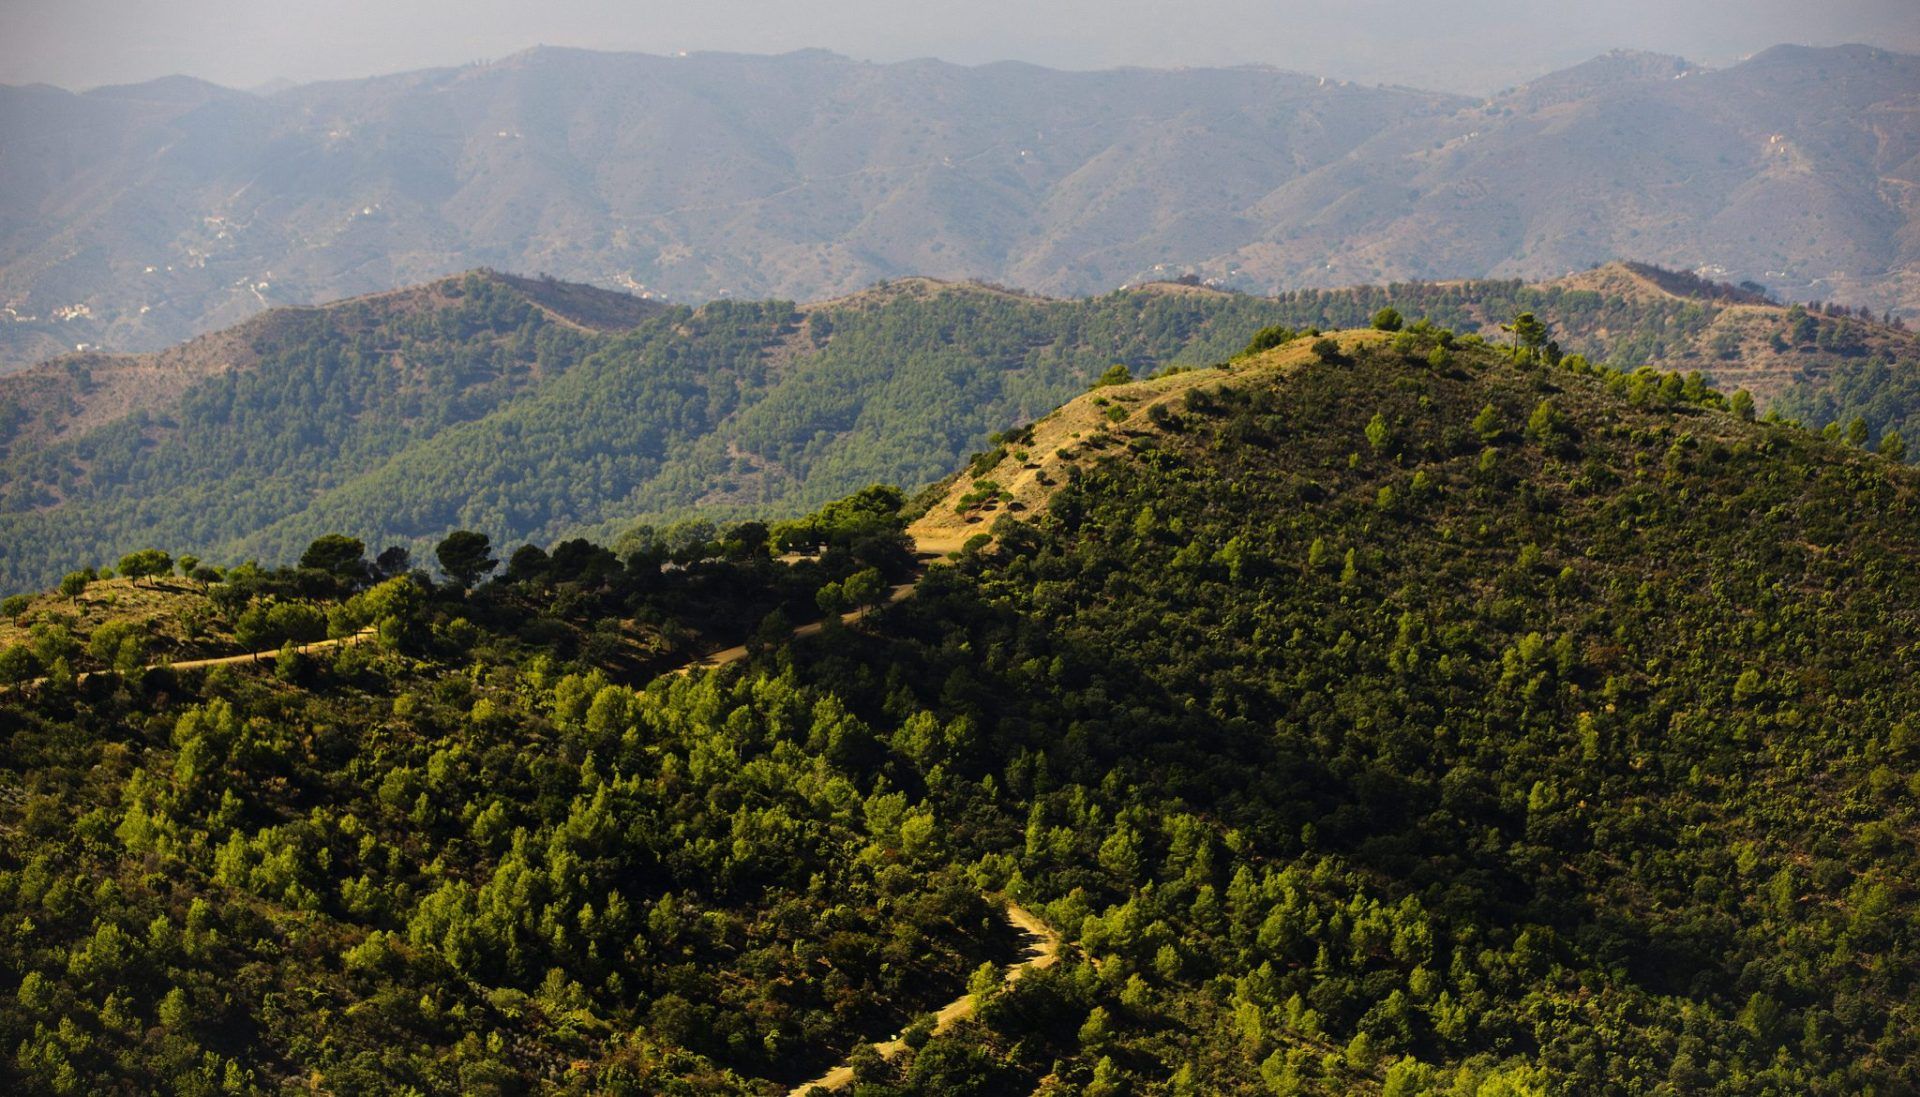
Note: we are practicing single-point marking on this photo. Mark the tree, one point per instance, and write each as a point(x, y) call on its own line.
point(832, 600)
point(393, 560)
point(984, 986)
point(868, 1066)
point(1116, 374)
point(1107, 1080)
point(188, 565)
point(1487, 424)
point(865, 588)
point(1097, 1030)
point(145, 564)
point(1379, 433)
point(75, 584)
point(773, 630)
point(744, 540)
point(1546, 423)
point(338, 555)
point(17, 663)
point(1327, 350)
point(1270, 337)
point(1801, 328)
point(1388, 319)
point(1529, 334)
point(1857, 432)
point(1741, 404)
point(393, 608)
point(465, 556)
point(528, 562)
point(1892, 446)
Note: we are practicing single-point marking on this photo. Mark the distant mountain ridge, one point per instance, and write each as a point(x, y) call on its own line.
point(77, 392)
point(136, 217)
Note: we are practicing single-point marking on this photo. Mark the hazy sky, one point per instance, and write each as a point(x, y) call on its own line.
point(1461, 45)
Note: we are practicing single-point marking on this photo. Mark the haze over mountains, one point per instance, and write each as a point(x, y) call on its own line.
point(135, 217)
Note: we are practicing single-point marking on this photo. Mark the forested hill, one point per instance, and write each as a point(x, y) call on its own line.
point(536, 410)
point(75, 393)
point(1395, 718)
point(1377, 713)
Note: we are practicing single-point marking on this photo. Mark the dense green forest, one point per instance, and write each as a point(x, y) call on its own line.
point(1425, 718)
point(473, 835)
point(488, 413)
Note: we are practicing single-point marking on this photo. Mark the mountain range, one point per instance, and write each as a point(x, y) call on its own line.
point(135, 217)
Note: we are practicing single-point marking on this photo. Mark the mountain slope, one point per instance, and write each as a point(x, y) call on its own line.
point(1632, 314)
point(1369, 718)
point(1790, 169)
point(1364, 718)
point(74, 394)
point(139, 217)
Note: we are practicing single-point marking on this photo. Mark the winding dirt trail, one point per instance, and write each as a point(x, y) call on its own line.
point(249, 657)
point(1043, 951)
point(739, 651)
point(929, 548)
point(1043, 944)
point(362, 636)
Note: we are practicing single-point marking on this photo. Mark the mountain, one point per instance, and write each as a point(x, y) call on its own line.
point(1372, 713)
point(538, 410)
point(133, 218)
point(1786, 169)
point(73, 394)
point(804, 175)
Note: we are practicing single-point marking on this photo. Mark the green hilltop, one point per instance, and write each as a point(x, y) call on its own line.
point(1380, 712)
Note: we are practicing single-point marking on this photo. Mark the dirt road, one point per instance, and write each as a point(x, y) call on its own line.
point(1043, 951)
point(739, 651)
point(261, 656)
point(248, 657)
